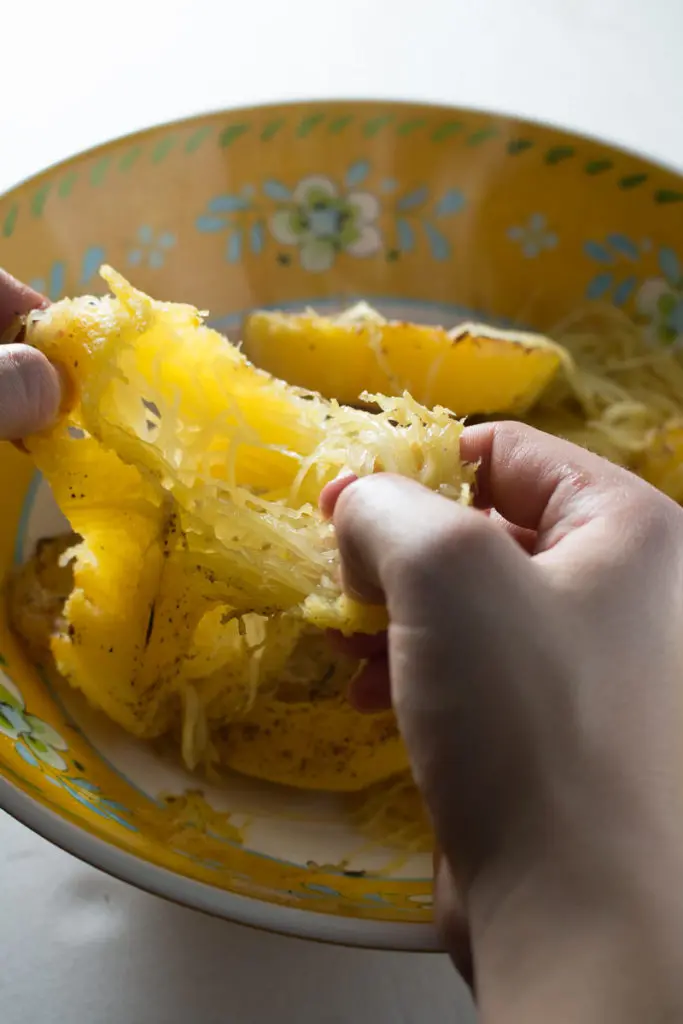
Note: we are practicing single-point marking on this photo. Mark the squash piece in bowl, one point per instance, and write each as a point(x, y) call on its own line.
point(303, 732)
point(192, 478)
point(471, 369)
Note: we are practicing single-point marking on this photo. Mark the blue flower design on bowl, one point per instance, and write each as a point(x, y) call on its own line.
point(53, 283)
point(151, 248)
point(322, 222)
point(34, 740)
point(659, 300)
point(89, 795)
point(41, 746)
point(618, 257)
point(534, 237)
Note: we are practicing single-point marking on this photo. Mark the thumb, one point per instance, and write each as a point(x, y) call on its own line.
point(30, 392)
point(419, 552)
point(30, 388)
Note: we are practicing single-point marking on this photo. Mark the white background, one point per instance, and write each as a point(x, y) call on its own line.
point(75, 946)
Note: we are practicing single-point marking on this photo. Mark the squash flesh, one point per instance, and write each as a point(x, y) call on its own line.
point(193, 479)
point(471, 370)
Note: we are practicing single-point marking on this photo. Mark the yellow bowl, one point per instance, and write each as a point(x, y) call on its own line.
point(453, 213)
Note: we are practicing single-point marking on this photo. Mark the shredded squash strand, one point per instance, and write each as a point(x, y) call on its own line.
point(242, 455)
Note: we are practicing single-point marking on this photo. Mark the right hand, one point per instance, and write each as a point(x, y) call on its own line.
point(30, 387)
point(536, 670)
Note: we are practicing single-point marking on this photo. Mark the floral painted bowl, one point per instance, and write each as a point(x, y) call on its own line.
point(430, 213)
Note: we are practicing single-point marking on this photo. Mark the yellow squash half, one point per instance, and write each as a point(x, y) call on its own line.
point(470, 369)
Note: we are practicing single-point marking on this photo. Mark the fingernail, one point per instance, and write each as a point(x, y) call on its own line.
point(68, 389)
point(330, 492)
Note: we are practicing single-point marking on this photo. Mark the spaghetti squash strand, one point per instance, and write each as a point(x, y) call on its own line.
point(219, 420)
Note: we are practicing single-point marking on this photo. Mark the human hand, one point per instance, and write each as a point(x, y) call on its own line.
point(536, 670)
point(30, 387)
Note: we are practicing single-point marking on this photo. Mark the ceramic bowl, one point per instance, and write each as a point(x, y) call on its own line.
point(430, 213)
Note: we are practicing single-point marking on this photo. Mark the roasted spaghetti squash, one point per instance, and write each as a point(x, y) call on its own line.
point(205, 573)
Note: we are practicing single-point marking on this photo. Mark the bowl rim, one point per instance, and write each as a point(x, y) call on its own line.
point(299, 103)
point(330, 929)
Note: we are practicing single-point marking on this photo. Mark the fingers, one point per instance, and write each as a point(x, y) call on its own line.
point(539, 488)
point(529, 477)
point(16, 299)
point(30, 392)
point(415, 549)
point(30, 388)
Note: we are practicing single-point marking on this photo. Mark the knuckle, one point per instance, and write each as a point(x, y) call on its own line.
point(659, 519)
point(508, 433)
point(512, 436)
point(644, 536)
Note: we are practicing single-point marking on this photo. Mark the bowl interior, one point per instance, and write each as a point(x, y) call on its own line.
point(431, 214)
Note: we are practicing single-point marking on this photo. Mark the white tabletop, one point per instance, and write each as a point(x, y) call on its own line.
point(75, 946)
